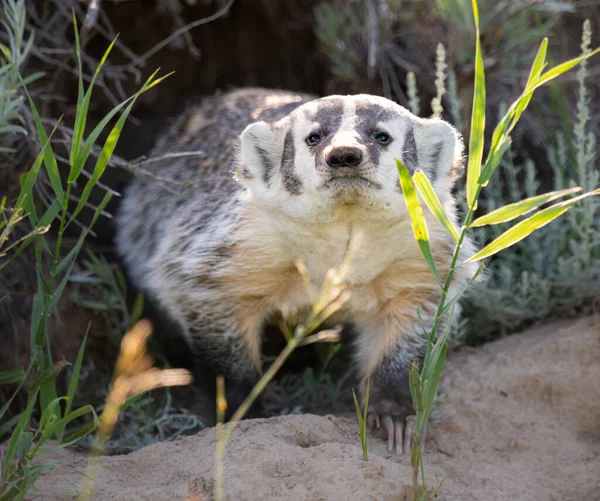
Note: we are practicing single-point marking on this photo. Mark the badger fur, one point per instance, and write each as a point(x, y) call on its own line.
point(280, 177)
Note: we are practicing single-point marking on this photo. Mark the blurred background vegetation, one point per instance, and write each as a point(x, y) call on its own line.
point(411, 51)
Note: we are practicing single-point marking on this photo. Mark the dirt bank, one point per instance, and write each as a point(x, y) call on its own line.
point(520, 421)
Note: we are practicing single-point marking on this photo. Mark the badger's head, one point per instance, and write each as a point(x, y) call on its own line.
point(338, 153)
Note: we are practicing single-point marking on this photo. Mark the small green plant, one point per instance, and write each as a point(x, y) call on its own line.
point(556, 271)
point(424, 384)
point(47, 415)
point(362, 419)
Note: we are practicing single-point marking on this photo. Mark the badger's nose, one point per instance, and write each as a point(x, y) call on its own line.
point(344, 156)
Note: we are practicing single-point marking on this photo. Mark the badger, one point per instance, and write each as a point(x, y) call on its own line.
point(211, 239)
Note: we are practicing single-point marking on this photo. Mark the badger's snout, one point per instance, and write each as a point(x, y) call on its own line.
point(344, 156)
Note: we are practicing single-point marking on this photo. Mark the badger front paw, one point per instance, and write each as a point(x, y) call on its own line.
point(397, 421)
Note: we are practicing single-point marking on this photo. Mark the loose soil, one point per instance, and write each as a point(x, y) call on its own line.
point(520, 420)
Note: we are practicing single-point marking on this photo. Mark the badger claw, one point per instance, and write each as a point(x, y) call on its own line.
point(399, 430)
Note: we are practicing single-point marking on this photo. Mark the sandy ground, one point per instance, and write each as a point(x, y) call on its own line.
point(520, 421)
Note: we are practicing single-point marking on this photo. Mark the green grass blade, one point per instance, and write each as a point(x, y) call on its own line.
point(13, 442)
point(73, 437)
point(48, 394)
point(7, 426)
point(477, 118)
point(367, 391)
point(76, 139)
point(11, 376)
point(361, 425)
point(6, 405)
point(517, 209)
point(493, 160)
point(430, 389)
point(511, 117)
point(62, 423)
point(536, 70)
point(56, 295)
point(433, 202)
point(414, 382)
point(85, 150)
point(37, 317)
point(358, 411)
point(109, 145)
point(562, 68)
point(74, 381)
point(28, 180)
point(415, 212)
point(524, 228)
point(83, 102)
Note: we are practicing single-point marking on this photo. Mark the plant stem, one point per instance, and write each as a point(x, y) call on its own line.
point(223, 440)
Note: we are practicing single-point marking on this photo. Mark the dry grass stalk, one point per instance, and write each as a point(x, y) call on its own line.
point(133, 374)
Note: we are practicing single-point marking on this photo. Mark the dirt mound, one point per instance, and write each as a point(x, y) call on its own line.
point(520, 421)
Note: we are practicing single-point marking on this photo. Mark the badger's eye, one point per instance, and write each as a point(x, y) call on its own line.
point(313, 139)
point(382, 137)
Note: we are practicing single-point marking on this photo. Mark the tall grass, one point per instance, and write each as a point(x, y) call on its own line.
point(424, 384)
point(48, 415)
point(555, 271)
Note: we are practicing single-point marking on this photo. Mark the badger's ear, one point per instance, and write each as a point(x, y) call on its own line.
point(438, 148)
point(261, 151)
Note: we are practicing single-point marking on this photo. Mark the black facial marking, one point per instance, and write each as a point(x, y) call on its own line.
point(328, 116)
point(368, 115)
point(290, 181)
point(435, 159)
point(409, 151)
point(268, 166)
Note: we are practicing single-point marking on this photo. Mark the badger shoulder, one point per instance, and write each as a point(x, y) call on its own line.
point(188, 185)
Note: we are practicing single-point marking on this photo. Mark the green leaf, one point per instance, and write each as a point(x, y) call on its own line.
point(493, 161)
point(477, 118)
point(109, 144)
point(138, 308)
point(415, 212)
point(415, 387)
point(524, 228)
point(8, 425)
point(13, 443)
point(517, 209)
point(358, 411)
point(534, 75)
point(433, 202)
point(57, 293)
point(74, 381)
point(12, 376)
point(37, 317)
point(85, 150)
point(62, 423)
point(515, 110)
point(48, 392)
point(73, 437)
point(430, 388)
point(83, 103)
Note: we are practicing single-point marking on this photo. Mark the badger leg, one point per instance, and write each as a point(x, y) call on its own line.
point(222, 346)
point(385, 353)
